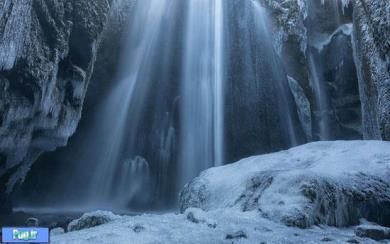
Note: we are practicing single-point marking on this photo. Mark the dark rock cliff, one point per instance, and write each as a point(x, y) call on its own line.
point(314, 39)
point(355, 66)
point(372, 55)
point(47, 54)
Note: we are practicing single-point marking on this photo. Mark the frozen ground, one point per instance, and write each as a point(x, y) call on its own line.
point(264, 199)
point(212, 227)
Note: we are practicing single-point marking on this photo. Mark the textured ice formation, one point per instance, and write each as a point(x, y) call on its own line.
point(334, 183)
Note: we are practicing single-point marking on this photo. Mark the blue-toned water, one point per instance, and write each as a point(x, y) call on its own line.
point(199, 85)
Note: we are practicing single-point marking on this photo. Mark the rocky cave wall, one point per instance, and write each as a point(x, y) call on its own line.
point(53, 169)
point(47, 54)
point(316, 36)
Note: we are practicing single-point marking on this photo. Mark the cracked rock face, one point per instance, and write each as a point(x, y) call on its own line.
point(47, 54)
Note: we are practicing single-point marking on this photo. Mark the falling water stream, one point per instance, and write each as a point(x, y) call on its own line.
point(202, 94)
point(121, 173)
point(196, 79)
point(318, 38)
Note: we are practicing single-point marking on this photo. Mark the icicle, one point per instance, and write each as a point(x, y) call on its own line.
point(344, 3)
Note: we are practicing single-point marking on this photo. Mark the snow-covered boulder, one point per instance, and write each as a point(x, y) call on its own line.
point(333, 183)
point(90, 220)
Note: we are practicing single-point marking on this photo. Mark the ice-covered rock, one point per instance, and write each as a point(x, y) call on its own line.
point(372, 56)
point(47, 54)
point(196, 215)
point(314, 40)
point(303, 107)
point(373, 231)
point(93, 219)
point(333, 183)
point(298, 24)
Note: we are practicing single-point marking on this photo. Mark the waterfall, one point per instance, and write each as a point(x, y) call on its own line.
point(199, 85)
point(218, 82)
point(146, 124)
point(118, 161)
point(321, 96)
point(202, 89)
point(285, 108)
